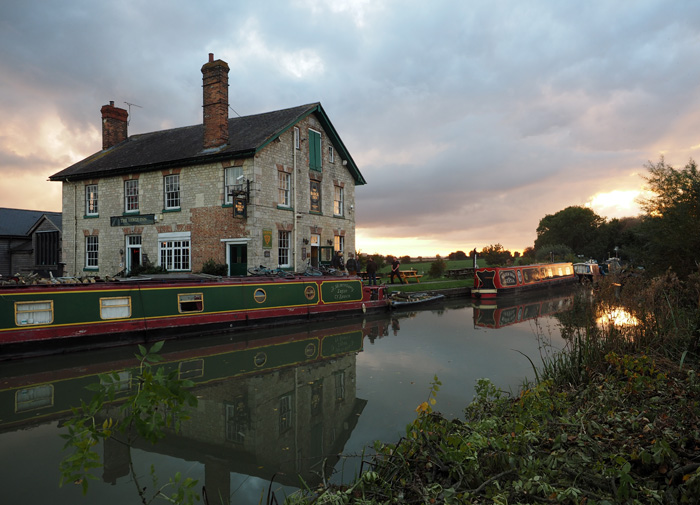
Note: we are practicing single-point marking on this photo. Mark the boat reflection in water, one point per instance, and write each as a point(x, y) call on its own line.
point(506, 311)
point(269, 405)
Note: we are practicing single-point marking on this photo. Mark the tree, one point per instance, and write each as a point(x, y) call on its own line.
point(457, 255)
point(669, 234)
point(575, 227)
point(496, 255)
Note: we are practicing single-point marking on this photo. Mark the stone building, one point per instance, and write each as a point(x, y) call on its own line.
point(272, 189)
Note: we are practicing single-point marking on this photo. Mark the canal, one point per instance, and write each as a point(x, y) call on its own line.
point(298, 402)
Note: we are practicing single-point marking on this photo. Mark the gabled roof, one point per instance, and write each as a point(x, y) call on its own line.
point(19, 222)
point(184, 146)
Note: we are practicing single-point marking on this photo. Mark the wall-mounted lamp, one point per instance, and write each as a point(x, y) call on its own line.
point(306, 241)
point(329, 242)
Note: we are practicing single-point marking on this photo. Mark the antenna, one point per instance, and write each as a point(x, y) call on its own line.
point(130, 104)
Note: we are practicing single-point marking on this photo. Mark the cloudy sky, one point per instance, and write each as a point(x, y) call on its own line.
point(471, 120)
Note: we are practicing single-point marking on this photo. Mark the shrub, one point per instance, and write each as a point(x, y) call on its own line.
point(437, 268)
point(213, 268)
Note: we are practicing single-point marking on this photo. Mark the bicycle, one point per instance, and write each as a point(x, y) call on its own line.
point(263, 271)
point(312, 271)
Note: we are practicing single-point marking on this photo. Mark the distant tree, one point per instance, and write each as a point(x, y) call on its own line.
point(406, 260)
point(669, 233)
point(437, 267)
point(554, 252)
point(457, 255)
point(420, 259)
point(496, 255)
point(529, 252)
point(578, 228)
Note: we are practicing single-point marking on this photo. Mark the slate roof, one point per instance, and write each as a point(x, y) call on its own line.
point(19, 222)
point(179, 147)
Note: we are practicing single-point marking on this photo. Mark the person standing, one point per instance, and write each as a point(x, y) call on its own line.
point(337, 261)
point(395, 265)
point(371, 271)
point(351, 264)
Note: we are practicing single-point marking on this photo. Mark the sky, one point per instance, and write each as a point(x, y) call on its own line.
point(470, 120)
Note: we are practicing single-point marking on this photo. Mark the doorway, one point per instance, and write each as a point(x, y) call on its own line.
point(133, 252)
point(237, 260)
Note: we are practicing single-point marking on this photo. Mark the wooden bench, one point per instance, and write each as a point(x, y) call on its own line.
point(410, 274)
point(365, 275)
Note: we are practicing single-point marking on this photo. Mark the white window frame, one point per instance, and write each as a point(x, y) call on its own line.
point(116, 307)
point(338, 200)
point(131, 195)
point(92, 251)
point(283, 248)
point(331, 154)
point(91, 200)
point(284, 188)
point(172, 198)
point(297, 138)
point(175, 251)
point(231, 174)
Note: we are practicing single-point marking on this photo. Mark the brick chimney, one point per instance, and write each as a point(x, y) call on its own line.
point(113, 125)
point(215, 85)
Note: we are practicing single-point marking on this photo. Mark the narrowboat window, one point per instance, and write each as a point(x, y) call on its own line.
point(191, 302)
point(191, 369)
point(260, 295)
point(28, 313)
point(120, 380)
point(34, 398)
point(115, 308)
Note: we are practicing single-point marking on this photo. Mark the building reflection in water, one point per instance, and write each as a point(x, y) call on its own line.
point(281, 406)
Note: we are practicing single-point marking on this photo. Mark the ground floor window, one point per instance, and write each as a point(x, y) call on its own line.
point(174, 251)
point(283, 259)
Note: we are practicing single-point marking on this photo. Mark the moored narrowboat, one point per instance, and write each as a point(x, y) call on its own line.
point(490, 282)
point(56, 316)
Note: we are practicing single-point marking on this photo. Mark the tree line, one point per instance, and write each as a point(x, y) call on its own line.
point(666, 234)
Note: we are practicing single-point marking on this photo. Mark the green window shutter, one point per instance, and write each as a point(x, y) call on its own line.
point(314, 151)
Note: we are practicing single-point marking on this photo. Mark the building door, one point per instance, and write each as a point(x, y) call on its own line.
point(237, 259)
point(133, 251)
point(315, 250)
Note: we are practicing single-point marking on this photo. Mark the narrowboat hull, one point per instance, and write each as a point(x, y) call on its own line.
point(42, 319)
point(491, 282)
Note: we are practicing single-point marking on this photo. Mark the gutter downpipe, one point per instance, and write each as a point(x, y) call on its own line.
point(296, 224)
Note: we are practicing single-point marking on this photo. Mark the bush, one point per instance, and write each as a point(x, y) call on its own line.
point(437, 268)
point(211, 267)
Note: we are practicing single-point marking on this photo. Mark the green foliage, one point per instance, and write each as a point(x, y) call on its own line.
point(159, 402)
point(211, 267)
point(496, 255)
point(668, 235)
point(553, 252)
point(578, 228)
point(147, 268)
point(405, 260)
point(457, 255)
point(437, 268)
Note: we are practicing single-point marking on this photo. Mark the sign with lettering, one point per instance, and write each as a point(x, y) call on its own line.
point(341, 291)
point(138, 220)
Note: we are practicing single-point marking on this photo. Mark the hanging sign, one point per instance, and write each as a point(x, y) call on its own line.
point(240, 208)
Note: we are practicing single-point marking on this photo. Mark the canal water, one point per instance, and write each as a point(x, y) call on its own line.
point(281, 405)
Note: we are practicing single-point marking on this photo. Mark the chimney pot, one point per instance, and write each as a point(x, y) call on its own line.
point(211, 57)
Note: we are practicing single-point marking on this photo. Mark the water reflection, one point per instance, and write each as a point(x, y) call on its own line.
point(498, 313)
point(271, 403)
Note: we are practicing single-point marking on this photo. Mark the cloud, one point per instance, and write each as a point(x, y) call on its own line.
point(470, 121)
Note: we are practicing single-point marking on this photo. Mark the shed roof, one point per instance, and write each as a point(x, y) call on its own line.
point(19, 222)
